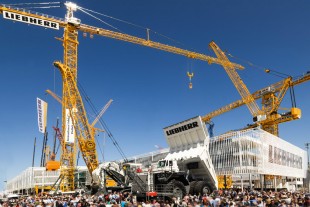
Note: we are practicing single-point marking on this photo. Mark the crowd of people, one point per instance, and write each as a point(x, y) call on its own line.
point(221, 198)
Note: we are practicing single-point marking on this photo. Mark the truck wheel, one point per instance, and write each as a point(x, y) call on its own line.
point(202, 187)
point(178, 189)
point(192, 187)
point(94, 189)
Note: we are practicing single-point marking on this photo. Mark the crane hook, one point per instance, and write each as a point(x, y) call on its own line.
point(190, 75)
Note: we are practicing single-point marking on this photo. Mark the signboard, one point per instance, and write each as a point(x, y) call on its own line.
point(42, 114)
point(70, 133)
point(30, 20)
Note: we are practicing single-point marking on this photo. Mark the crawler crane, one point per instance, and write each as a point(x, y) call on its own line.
point(73, 111)
point(103, 110)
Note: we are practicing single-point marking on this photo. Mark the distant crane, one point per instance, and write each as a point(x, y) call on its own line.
point(52, 164)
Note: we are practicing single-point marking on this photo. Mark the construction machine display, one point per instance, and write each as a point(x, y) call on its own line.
point(187, 168)
point(75, 124)
point(188, 158)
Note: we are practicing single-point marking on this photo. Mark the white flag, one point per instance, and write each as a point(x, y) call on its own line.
point(42, 114)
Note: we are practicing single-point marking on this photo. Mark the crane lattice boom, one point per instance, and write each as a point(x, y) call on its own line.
point(237, 81)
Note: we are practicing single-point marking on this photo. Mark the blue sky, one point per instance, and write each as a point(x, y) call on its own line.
point(150, 87)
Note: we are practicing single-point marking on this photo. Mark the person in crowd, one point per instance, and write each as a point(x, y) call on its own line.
point(221, 198)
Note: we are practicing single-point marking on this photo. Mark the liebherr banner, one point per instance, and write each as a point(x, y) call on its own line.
point(42, 114)
point(30, 20)
point(186, 134)
point(70, 133)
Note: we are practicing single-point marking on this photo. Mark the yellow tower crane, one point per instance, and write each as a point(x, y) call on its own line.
point(73, 111)
point(272, 97)
point(245, 94)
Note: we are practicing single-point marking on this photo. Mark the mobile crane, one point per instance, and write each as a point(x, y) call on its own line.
point(74, 119)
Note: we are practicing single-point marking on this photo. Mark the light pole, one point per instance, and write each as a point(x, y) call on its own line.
point(307, 147)
point(307, 180)
point(4, 187)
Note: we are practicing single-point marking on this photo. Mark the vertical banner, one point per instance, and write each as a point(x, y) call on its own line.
point(69, 138)
point(42, 114)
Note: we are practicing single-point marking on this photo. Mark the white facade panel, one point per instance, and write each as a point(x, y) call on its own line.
point(282, 158)
point(256, 151)
point(37, 176)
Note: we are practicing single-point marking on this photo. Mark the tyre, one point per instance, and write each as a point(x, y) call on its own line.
point(202, 187)
point(94, 189)
point(192, 187)
point(177, 188)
